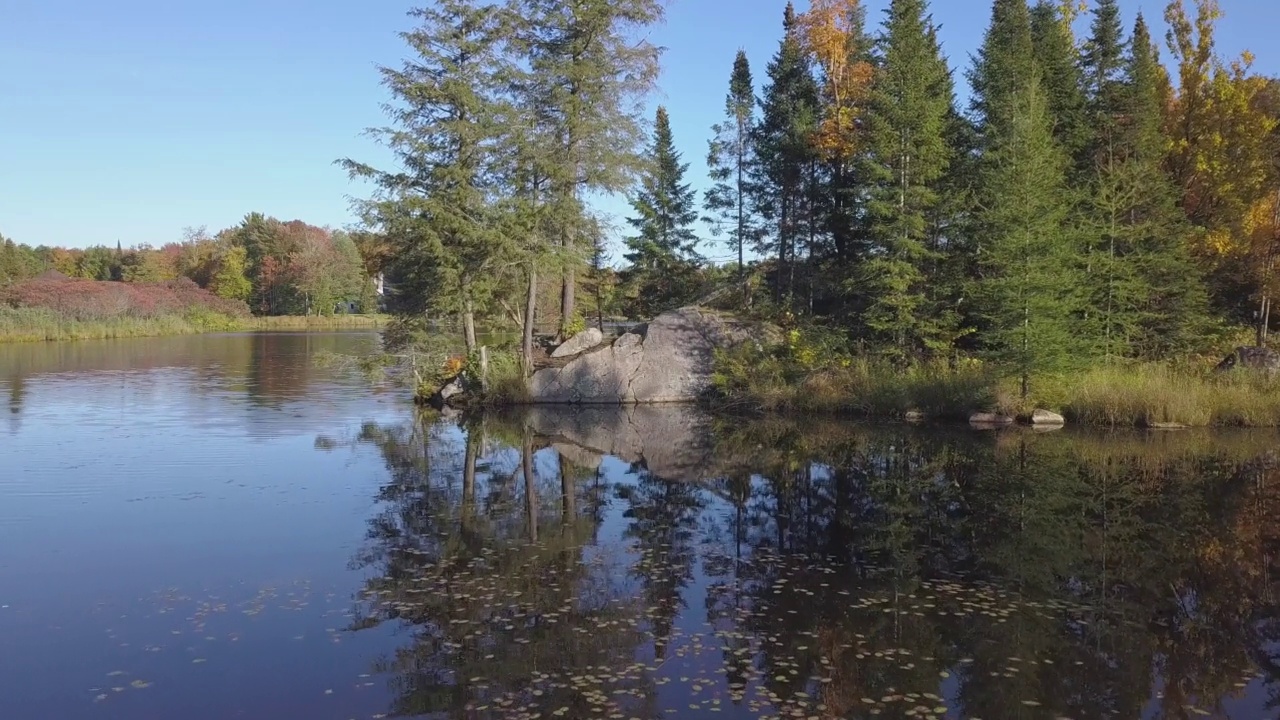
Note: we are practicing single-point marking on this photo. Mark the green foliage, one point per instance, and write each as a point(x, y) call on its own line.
point(1029, 284)
point(729, 158)
point(1002, 67)
point(229, 280)
point(781, 187)
point(911, 104)
point(1058, 64)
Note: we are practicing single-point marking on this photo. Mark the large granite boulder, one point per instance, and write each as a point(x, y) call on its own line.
point(667, 360)
point(1252, 358)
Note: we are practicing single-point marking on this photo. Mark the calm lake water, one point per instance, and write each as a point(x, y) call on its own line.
point(219, 527)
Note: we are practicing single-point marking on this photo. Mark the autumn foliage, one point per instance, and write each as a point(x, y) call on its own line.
point(87, 300)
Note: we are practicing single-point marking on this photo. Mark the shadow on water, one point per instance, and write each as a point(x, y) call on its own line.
point(653, 562)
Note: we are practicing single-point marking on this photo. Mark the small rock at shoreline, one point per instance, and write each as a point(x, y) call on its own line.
point(990, 419)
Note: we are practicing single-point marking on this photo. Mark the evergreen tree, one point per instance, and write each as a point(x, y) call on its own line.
point(1147, 297)
point(910, 109)
point(587, 76)
point(663, 254)
point(1102, 61)
point(1058, 63)
point(789, 116)
point(1002, 68)
point(665, 204)
point(728, 159)
point(1028, 263)
point(436, 210)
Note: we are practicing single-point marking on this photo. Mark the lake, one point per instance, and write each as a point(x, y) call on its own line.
point(219, 526)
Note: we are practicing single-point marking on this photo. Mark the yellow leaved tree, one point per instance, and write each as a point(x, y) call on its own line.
point(1222, 156)
point(833, 34)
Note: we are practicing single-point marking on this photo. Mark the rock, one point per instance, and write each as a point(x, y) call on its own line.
point(1045, 417)
point(913, 416)
point(673, 442)
point(451, 389)
point(1252, 358)
point(990, 419)
point(578, 455)
point(579, 343)
point(668, 359)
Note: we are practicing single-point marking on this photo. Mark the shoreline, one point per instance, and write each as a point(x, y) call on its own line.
point(14, 331)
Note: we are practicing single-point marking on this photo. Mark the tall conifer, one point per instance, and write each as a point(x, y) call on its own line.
point(784, 151)
point(1058, 63)
point(907, 121)
point(1028, 262)
point(729, 160)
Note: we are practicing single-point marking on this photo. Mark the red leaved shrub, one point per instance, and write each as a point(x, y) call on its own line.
point(97, 300)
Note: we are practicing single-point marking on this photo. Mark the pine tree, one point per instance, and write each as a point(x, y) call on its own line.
point(447, 119)
point(587, 75)
point(911, 104)
point(1058, 63)
point(1002, 68)
point(729, 160)
point(1029, 274)
point(664, 252)
point(784, 152)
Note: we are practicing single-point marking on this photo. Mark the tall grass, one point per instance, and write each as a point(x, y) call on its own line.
point(316, 322)
point(1140, 395)
point(38, 324)
point(1154, 395)
point(860, 387)
point(43, 324)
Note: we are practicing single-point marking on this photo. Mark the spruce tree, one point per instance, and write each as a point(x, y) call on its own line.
point(1147, 296)
point(910, 108)
point(587, 75)
point(1058, 63)
point(663, 255)
point(1002, 68)
point(1102, 59)
point(780, 183)
point(1028, 262)
point(664, 205)
point(729, 161)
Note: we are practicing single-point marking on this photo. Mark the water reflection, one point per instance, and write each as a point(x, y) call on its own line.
point(651, 562)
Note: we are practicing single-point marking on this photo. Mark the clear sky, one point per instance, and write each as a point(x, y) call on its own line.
point(133, 119)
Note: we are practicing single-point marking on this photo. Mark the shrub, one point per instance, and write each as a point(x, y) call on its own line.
point(93, 300)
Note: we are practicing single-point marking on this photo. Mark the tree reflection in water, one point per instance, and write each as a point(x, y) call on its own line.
point(823, 570)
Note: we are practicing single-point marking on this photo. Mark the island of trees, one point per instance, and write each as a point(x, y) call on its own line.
point(1089, 214)
point(1102, 218)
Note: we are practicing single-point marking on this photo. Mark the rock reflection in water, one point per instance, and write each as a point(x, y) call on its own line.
point(651, 563)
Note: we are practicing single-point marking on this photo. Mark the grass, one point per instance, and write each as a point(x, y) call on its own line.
point(42, 324)
point(1140, 395)
point(1153, 395)
point(316, 322)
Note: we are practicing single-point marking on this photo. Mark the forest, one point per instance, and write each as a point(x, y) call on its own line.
point(1104, 199)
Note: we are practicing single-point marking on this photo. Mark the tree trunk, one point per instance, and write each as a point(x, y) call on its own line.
point(568, 504)
point(531, 302)
point(469, 477)
point(469, 325)
point(568, 286)
point(530, 487)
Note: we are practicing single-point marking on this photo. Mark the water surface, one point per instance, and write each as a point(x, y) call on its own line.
point(218, 527)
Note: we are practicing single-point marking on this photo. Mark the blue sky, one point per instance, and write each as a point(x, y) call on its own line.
point(133, 119)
